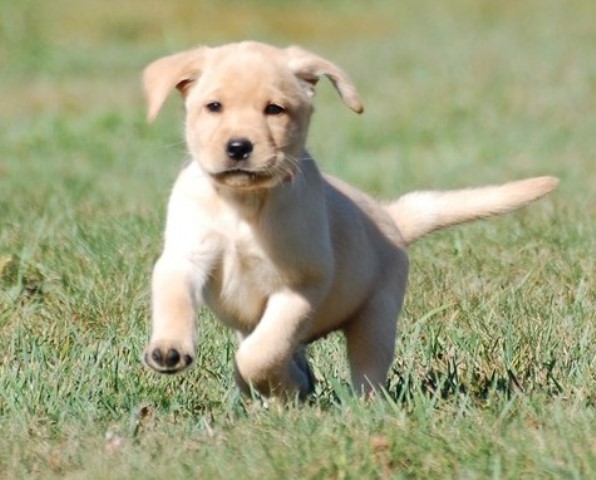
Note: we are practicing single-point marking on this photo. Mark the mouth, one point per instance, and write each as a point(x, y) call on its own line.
point(239, 177)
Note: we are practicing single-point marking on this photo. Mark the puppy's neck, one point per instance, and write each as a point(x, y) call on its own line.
point(247, 204)
point(252, 205)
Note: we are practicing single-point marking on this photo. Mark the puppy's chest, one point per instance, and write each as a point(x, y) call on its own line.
point(242, 281)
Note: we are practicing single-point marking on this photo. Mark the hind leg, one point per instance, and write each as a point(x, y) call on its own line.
point(300, 360)
point(371, 342)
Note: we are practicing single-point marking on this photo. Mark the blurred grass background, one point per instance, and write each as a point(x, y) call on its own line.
point(494, 371)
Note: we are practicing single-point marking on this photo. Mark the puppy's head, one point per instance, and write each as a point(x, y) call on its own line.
point(248, 107)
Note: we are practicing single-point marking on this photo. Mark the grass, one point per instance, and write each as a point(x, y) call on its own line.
point(494, 370)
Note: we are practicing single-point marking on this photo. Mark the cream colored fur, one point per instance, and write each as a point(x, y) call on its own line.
point(278, 251)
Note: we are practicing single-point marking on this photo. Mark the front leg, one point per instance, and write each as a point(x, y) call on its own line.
point(271, 358)
point(176, 286)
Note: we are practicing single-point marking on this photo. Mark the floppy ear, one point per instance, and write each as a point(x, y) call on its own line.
point(309, 68)
point(161, 76)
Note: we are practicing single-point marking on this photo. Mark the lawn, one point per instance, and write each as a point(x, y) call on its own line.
point(494, 369)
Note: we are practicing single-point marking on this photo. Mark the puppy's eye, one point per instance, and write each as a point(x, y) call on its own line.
point(274, 109)
point(214, 107)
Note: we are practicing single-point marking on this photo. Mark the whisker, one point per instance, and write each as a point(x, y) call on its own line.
point(289, 166)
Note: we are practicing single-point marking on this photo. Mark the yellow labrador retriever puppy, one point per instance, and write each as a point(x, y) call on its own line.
point(278, 251)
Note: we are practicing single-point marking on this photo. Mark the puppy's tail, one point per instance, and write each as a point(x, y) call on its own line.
point(420, 213)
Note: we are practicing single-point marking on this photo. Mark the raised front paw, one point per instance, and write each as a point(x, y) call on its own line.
point(167, 357)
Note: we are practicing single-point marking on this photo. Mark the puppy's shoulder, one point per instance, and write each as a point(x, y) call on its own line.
point(192, 185)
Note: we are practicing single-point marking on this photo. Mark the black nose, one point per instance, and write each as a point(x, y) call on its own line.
point(239, 148)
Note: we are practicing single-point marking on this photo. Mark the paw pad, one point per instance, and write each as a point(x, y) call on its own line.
point(167, 360)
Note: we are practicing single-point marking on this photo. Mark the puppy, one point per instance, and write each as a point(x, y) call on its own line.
point(279, 252)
